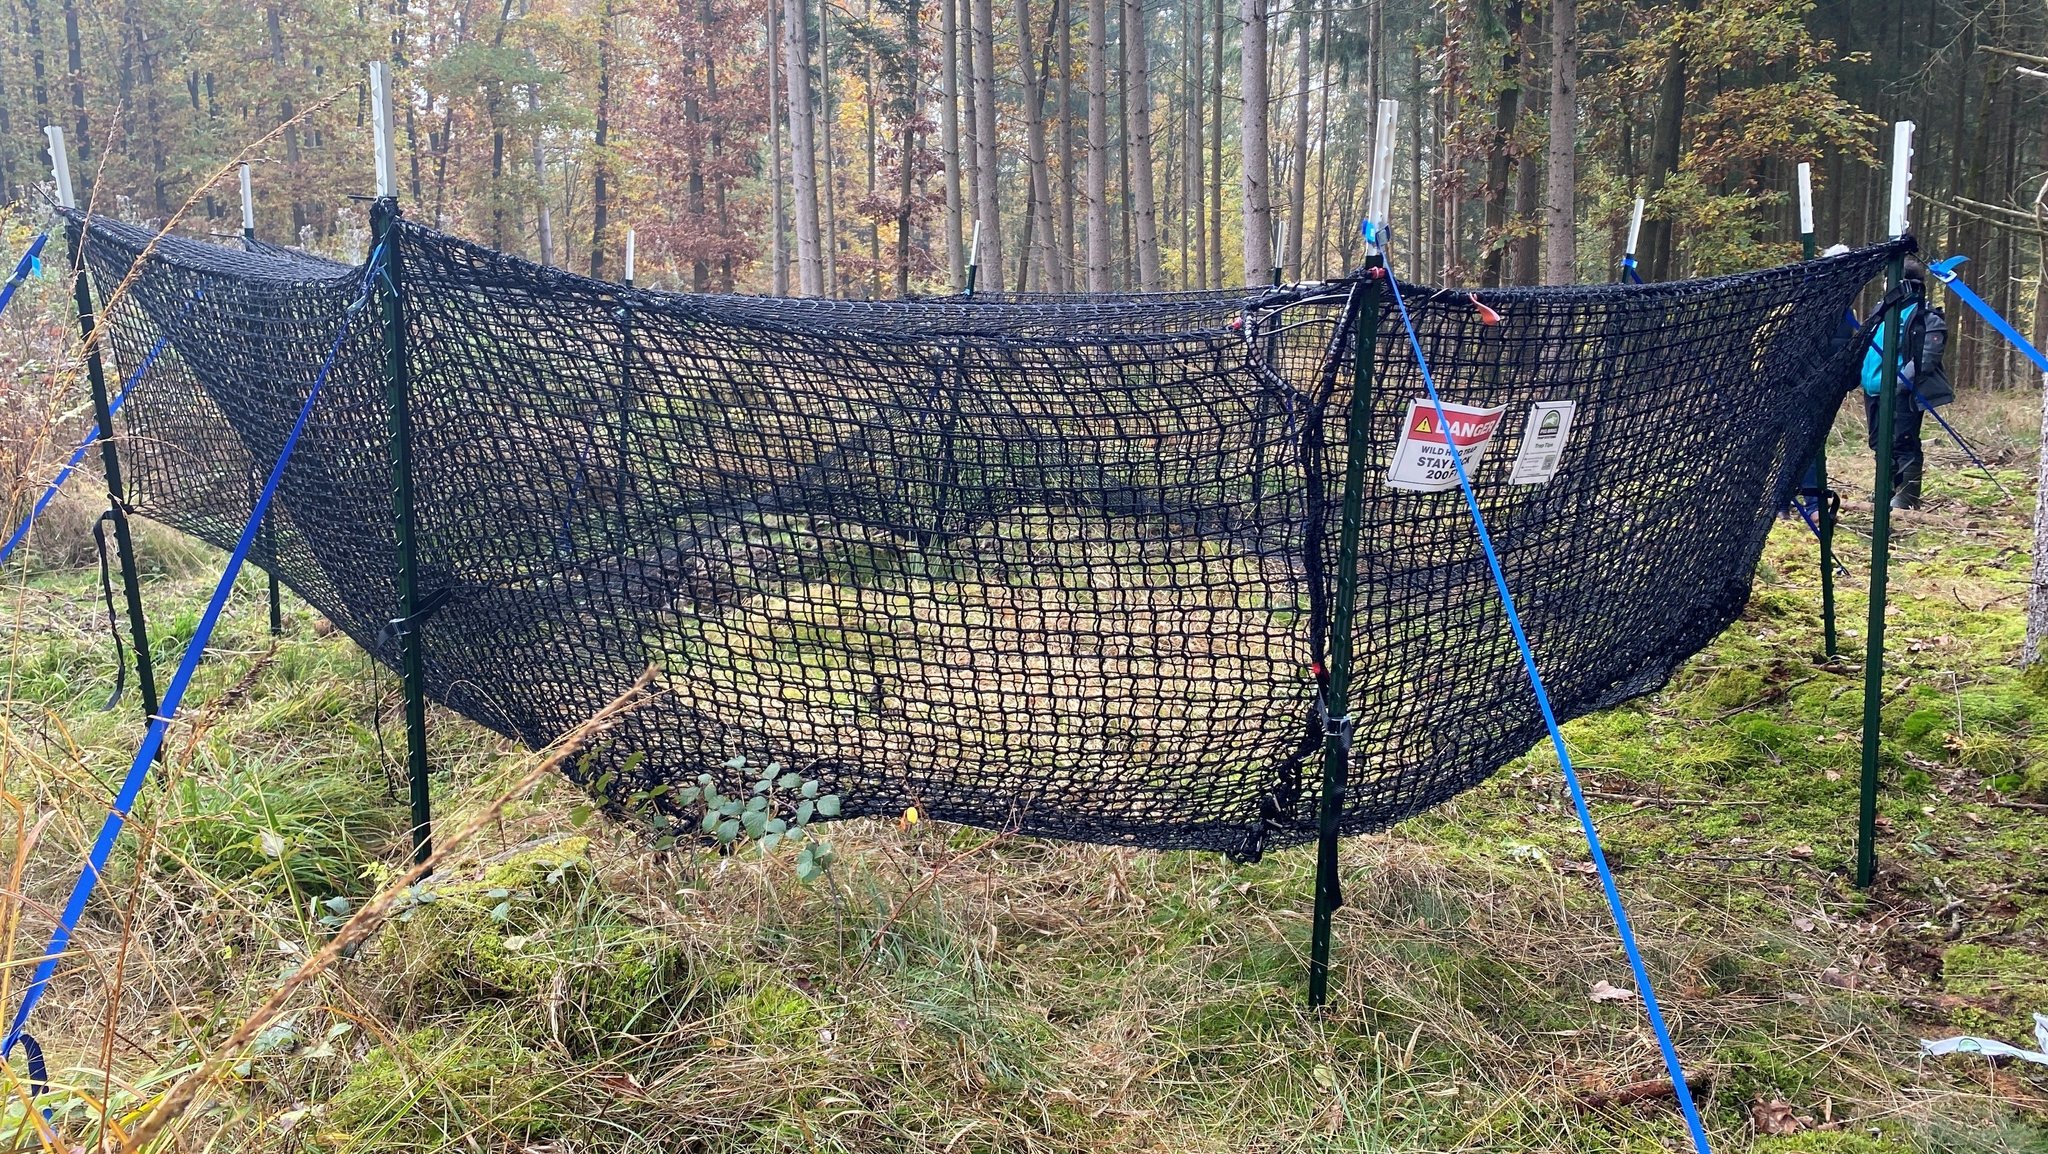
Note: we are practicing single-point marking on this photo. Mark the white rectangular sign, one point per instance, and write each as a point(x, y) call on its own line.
point(1543, 442)
point(1422, 458)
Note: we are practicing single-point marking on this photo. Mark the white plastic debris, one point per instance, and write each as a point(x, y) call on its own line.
point(1992, 1047)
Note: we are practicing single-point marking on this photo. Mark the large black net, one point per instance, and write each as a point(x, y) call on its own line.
point(1057, 564)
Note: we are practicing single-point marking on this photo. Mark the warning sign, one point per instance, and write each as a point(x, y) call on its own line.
point(1422, 459)
point(1543, 441)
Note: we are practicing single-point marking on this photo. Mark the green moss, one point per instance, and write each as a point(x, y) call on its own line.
point(437, 1086)
point(1829, 1142)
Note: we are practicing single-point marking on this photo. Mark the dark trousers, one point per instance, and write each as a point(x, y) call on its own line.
point(1908, 461)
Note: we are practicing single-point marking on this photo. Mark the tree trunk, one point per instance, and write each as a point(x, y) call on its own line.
point(987, 210)
point(778, 219)
point(906, 159)
point(1966, 331)
point(1297, 208)
point(600, 212)
point(1499, 146)
point(1039, 248)
point(1216, 153)
point(949, 138)
point(1098, 147)
point(81, 140)
point(1138, 93)
point(1253, 156)
point(1560, 212)
point(1063, 13)
point(1528, 243)
point(803, 157)
point(39, 86)
point(1655, 260)
point(871, 109)
point(1195, 225)
point(828, 160)
point(2037, 592)
point(970, 135)
point(1417, 236)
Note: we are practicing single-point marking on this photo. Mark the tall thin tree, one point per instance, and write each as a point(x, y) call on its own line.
point(1255, 158)
point(1138, 94)
point(1098, 146)
point(803, 154)
point(1561, 165)
point(949, 137)
point(982, 67)
point(1297, 192)
point(1040, 248)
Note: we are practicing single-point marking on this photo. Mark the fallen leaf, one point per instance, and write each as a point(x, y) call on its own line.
point(1800, 852)
point(1775, 1117)
point(1605, 991)
point(1833, 976)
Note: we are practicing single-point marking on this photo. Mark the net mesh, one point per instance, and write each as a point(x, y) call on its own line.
point(1062, 565)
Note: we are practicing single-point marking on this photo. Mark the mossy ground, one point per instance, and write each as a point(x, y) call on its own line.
point(564, 989)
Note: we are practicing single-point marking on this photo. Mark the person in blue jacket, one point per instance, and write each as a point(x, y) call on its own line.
point(1922, 384)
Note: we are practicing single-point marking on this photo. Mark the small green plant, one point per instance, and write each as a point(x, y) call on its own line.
point(777, 812)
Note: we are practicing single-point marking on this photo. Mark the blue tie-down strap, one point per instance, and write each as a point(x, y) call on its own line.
point(91, 437)
point(30, 264)
point(1564, 758)
point(159, 725)
point(1944, 271)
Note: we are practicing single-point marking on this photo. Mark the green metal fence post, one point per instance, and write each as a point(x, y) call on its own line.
point(1337, 691)
point(398, 390)
point(269, 535)
point(103, 420)
point(1881, 529)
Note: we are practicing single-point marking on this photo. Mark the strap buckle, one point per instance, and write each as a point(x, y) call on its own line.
point(399, 628)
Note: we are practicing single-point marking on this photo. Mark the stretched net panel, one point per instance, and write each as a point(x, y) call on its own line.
point(1057, 564)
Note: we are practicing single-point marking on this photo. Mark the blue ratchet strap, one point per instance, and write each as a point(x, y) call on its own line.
point(159, 725)
point(1613, 893)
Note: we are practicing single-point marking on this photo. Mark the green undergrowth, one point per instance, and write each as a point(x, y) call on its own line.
point(562, 987)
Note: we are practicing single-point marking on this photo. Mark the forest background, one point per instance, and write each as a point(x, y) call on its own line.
point(1105, 145)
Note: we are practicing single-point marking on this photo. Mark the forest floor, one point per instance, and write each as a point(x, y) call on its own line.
point(562, 989)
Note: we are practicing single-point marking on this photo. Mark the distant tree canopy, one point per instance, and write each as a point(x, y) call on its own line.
point(1101, 144)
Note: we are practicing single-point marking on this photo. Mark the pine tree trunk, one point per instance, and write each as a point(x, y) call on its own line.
point(803, 157)
point(1297, 191)
point(1216, 153)
point(1560, 211)
point(949, 139)
point(1138, 93)
point(906, 163)
point(1063, 13)
point(987, 210)
point(1195, 224)
point(1254, 157)
point(1098, 146)
point(81, 138)
point(1499, 155)
point(1525, 252)
point(970, 135)
point(778, 218)
point(1039, 248)
point(1666, 134)
point(829, 162)
point(600, 205)
point(2037, 592)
